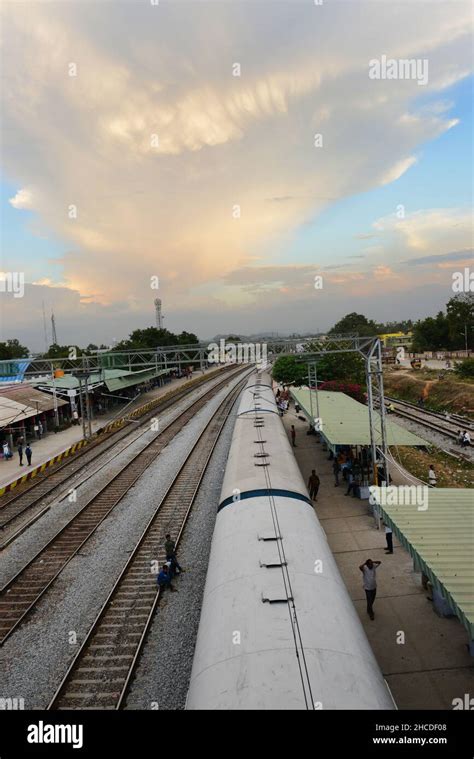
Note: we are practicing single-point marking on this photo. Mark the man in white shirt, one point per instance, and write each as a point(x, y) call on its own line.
point(369, 582)
point(388, 538)
point(431, 477)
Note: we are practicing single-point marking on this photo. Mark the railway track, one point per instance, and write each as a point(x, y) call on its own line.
point(19, 503)
point(431, 419)
point(19, 596)
point(102, 670)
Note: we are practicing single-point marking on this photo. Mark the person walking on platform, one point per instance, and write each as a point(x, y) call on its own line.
point(388, 538)
point(29, 454)
point(336, 468)
point(353, 486)
point(293, 436)
point(369, 582)
point(313, 485)
point(20, 452)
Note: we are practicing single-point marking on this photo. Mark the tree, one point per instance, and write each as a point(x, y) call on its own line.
point(349, 367)
point(460, 320)
point(289, 371)
point(355, 323)
point(431, 334)
point(62, 351)
point(13, 349)
point(186, 338)
point(152, 338)
point(389, 327)
point(349, 388)
point(465, 369)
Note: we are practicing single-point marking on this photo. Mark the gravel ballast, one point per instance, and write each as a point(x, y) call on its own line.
point(35, 658)
point(163, 673)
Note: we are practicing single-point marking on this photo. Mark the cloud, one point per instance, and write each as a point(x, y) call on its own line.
point(22, 200)
point(178, 168)
point(458, 255)
point(396, 171)
point(435, 230)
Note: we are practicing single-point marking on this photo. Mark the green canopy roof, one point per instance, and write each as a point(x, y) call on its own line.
point(117, 380)
point(345, 421)
point(114, 379)
point(440, 538)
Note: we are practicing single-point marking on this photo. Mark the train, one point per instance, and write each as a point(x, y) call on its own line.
point(278, 629)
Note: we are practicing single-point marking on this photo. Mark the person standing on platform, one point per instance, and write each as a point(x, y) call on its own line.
point(20, 452)
point(313, 485)
point(336, 468)
point(369, 582)
point(388, 538)
point(293, 436)
point(432, 477)
point(29, 454)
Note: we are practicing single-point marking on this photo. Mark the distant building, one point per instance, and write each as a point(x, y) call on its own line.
point(397, 340)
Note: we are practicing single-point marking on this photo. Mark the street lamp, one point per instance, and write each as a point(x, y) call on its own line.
point(465, 337)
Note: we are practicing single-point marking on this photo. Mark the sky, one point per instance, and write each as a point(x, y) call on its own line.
point(232, 152)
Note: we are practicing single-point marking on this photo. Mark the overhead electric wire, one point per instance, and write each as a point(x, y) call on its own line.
point(301, 658)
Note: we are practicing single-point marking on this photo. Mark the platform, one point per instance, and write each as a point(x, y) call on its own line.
point(432, 667)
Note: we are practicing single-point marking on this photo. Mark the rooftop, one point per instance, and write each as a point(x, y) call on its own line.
point(345, 421)
point(440, 538)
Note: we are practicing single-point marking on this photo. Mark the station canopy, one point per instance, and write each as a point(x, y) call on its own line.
point(113, 379)
point(20, 402)
point(345, 421)
point(440, 539)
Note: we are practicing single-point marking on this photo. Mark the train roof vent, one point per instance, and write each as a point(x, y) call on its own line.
point(259, 441)
point(275, 596)
point(272, 564)
point(269, 536)
point(260, 455)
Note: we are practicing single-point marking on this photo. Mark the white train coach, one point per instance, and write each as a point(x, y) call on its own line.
point(278, 629)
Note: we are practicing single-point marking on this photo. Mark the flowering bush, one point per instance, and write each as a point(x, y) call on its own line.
point(349, 388)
